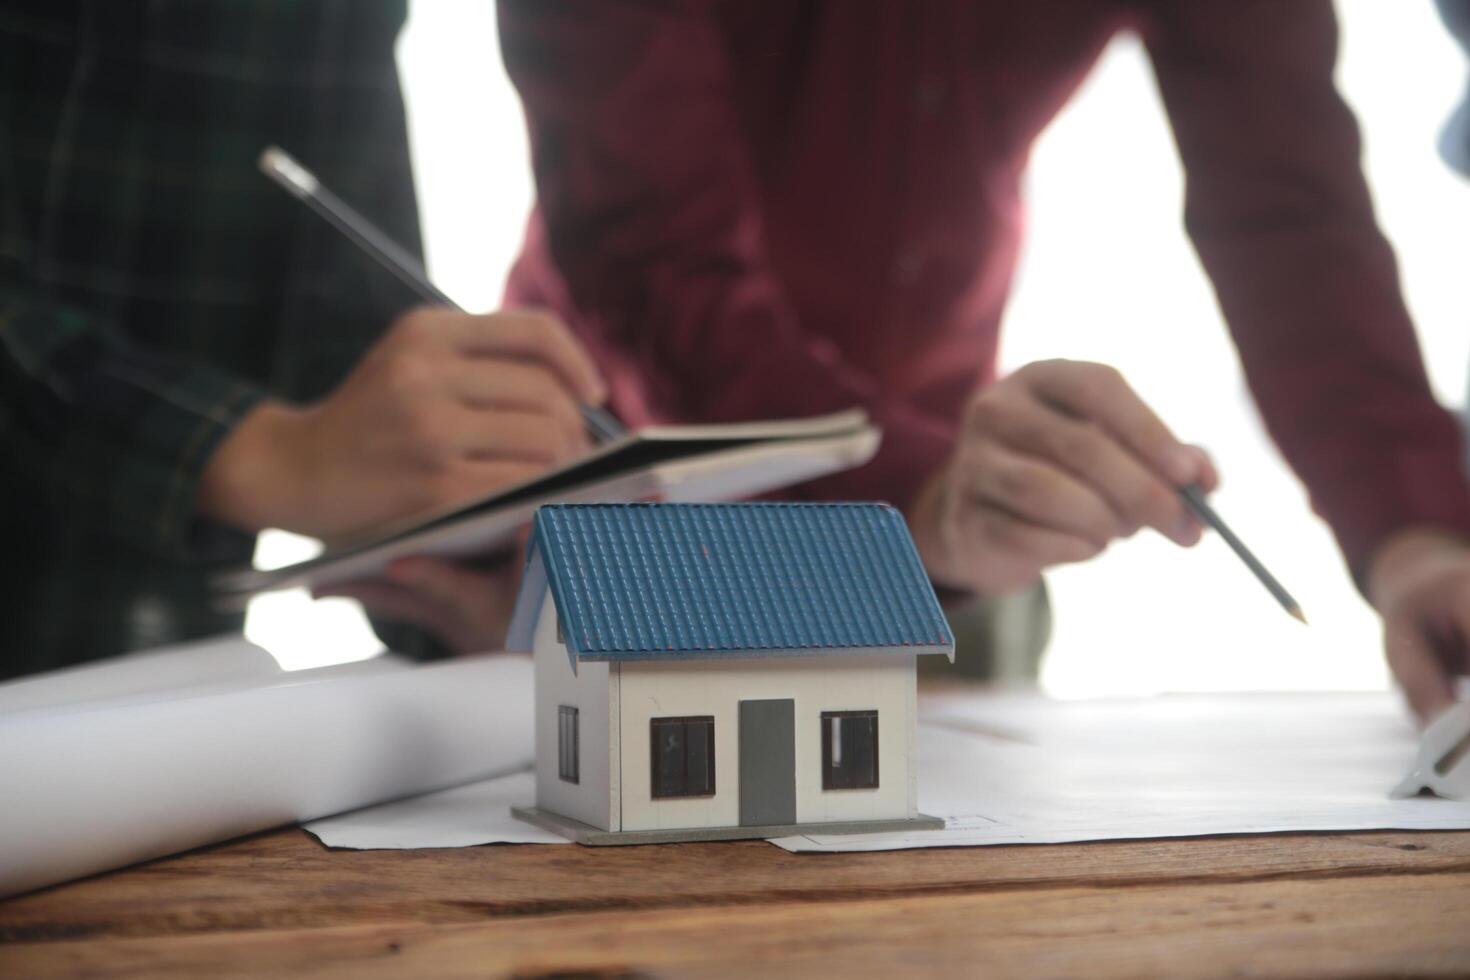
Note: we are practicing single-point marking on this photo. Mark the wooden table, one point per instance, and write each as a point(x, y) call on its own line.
point(1288, 905)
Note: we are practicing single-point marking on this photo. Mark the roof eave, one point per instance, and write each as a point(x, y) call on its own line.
point(672, 656)
point(521, 636)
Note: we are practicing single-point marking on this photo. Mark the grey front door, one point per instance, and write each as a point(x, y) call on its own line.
point(767, 762)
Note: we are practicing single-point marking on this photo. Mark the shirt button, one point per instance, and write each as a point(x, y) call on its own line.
point(929, 93)
point(907, 266)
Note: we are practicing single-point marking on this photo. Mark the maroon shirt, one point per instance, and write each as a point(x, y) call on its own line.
point(757, 209)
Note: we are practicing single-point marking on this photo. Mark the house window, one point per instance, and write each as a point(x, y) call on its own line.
point(683, 756)
point(567, 756)
point(849, 749)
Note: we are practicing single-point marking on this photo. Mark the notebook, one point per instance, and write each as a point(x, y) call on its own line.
point(672, 463)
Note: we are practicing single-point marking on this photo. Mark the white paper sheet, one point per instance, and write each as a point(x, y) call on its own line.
point(461, 817)
point(1011, 769)
point(95, 786)
point(1018, 770)
point(229, 659)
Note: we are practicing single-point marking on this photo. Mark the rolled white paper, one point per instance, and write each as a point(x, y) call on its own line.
point(99, 786)
point(228, 659)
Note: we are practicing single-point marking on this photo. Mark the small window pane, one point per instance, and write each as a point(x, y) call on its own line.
point(683, 751)
point(849, 749)
point(568, 756)
point(698, 779)
point(668, 779)
point(860, 737)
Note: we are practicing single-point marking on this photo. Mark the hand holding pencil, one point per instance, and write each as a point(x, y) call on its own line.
point(303, 185)
point(446, 406)
point(1054, 463)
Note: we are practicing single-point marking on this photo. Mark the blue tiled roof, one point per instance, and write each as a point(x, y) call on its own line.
point(639, 581)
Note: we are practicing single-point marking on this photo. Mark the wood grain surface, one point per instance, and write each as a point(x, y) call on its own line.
point(1279, 905)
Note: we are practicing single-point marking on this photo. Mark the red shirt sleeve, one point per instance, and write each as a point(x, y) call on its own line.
point(653, 215)
point(1279, 211)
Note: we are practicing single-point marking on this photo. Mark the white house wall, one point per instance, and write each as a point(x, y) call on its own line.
point(650, 689)
point(593, 692)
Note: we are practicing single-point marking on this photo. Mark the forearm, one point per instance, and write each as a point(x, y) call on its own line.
point(1280, 213)
point(257, 477)
point(122, 434)
point(1406, 556)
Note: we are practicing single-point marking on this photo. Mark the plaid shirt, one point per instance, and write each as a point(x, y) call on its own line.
point(154, 287)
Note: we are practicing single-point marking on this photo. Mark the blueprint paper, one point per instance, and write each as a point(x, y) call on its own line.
point(228, 659)
point(98, 785)
point(1023, 770)
point(461, 817)
point(1019, 769)
point(1002, 769)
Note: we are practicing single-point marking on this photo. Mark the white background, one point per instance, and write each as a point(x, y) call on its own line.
point(1107, 275)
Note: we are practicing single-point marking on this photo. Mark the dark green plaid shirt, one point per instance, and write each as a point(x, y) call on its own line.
point(153, 286)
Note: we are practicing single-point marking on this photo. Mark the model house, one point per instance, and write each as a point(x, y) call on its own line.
point(714, 671)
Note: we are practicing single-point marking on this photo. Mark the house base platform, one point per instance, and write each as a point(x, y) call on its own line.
point(582, 833)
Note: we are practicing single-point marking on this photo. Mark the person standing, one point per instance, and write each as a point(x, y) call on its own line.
point(784, 209)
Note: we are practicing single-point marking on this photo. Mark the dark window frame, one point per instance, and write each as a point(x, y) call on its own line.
point(833, 777)
point(569, 749)
point(656, 787)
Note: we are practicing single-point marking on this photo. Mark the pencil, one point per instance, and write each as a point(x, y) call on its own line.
point(303, 185)
point(1194, 498)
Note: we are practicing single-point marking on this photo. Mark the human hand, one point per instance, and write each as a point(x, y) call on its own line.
point(446, 406)
point(468, 609)
point(1054, 462)
point(1419, 581)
